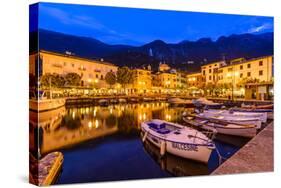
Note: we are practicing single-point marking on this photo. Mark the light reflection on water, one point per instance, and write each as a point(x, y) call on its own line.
point(103, 143)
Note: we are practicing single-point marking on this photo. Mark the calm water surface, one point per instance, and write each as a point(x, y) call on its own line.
point(103, 144)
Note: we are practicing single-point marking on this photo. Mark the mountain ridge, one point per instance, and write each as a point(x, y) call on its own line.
point(178, 55)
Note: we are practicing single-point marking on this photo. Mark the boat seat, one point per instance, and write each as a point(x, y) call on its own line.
point(159, 128)
point(163, 131)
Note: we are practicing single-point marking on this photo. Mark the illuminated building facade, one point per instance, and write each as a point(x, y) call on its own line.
point(142, 81)
point(92, 72)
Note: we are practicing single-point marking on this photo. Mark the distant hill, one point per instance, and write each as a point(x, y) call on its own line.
point(187, 55)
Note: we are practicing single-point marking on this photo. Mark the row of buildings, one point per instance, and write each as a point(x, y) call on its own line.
point(240, 77)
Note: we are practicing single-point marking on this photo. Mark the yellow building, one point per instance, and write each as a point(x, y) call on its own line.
point(181, 80)
point(210, 72)
point(92, 71)
point(194, 80)
point(142, 81)
point(194, 84)
point(258, 68)
point(165, 80)
point(237, 74)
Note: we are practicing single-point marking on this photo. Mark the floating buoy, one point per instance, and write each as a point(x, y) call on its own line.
point(163, 148)
point(144, 136)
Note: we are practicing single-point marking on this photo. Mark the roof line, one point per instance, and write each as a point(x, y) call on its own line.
point(77, 57)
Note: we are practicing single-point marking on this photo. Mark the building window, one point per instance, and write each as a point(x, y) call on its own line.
point(260, 63)
point(204, 72)
point(101, 77)
point(210, 77)
point(249, 65)
point(210, 70)
point(97, 76)
point(230, 69)
point(260, 72)
point(249, 74)
point(72, 65)
point(241, 75)
point(241, 67)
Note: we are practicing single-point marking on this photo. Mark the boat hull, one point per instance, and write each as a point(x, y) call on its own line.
point(229, 129)
point(243, 132)
point(45, 105)
point(195, 152)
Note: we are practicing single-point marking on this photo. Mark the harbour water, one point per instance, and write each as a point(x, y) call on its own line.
point(103, 143)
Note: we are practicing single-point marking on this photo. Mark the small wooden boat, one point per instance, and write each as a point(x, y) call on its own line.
point(242, 120)
point(122, 100)
point(267, 106)
point(45, 171)
point(178, 140)
point(235, 114)
point(133, 100)
point(147, 99)
point(113, 101)
point(258, 110)
point(103, 102)
point(223, 128)
point(203, 102)
point(180, 102)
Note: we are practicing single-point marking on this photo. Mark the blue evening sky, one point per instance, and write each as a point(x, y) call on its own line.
point(114, 25)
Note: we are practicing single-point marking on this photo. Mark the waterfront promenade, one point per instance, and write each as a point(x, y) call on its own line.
point(255, 156)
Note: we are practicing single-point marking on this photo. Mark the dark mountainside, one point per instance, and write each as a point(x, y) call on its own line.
point(186, 55)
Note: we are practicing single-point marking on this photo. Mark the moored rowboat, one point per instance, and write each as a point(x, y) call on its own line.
point(242, 120)
point(228, 128)
point(178, 140)
point(234, 114)
point(203, 102)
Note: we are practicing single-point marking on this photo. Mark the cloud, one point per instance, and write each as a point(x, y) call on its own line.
point(71, 19)
point(99, 30)
point(263, 27)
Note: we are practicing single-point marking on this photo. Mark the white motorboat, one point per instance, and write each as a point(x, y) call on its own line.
point(242, 120)
point(180, 102)
point(223, 128)
point(261, 116)
point(43, 101)
point(178, 140)
point(203, 102)
point(103, 102)
point(122, 100)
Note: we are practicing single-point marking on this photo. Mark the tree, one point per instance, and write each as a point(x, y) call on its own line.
point(52, 80)
point(32, 81)
point(124, 76)
point(110, 78)
point(72, 79)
